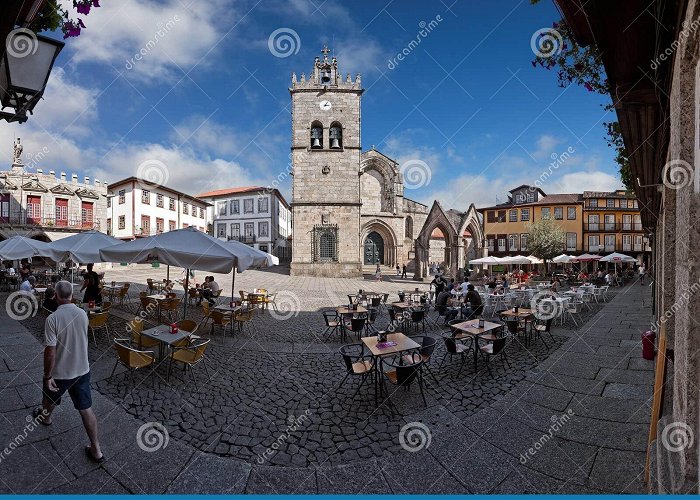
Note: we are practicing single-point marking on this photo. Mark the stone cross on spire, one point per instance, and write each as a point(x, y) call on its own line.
point(325, 50)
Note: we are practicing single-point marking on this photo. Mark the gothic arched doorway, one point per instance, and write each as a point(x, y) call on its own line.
point(374, 248)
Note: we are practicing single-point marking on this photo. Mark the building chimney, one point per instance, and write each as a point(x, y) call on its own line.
point(63, 176)
point(86, 180)
point(97, 182)
point(74, 178)
point(39, 171)
point(52, 172)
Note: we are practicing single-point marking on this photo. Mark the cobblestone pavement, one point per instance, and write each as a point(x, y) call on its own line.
point(271, 420)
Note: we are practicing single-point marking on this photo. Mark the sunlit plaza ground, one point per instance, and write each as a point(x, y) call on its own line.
point(569, 415)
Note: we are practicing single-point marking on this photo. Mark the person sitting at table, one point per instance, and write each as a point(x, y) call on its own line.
point(453, 311)
point(27, 286)
point(441, 302)
point(464, 285)
point(473, 298)
point(91, 286)
point(209, 288)
point(439, 284)
point(50, 300)
point(555, 284)
point(25, 271)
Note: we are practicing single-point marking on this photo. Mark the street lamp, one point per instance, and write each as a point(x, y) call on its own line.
point(24, 70)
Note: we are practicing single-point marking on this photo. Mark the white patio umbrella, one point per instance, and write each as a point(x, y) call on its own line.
point(82, 247)
point(534, 260)
point(517, 259)
point(190, 249)
point(563, 259)
point(487, 261)
point(617, 257)
point(21, 247)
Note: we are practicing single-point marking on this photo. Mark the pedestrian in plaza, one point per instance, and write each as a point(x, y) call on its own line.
point(66, 366)
point(27, 285)
point(403, 272)
point(642, 272)
point(398, 271)
point(50, 303)
point(378, 273)
point(91, 286)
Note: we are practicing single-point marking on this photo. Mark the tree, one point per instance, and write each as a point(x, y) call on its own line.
point(545, 239)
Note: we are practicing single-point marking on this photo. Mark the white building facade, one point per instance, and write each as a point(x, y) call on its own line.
point(138, 208)
point(257, 216)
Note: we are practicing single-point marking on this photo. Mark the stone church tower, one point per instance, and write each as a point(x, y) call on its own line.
point(326, 166)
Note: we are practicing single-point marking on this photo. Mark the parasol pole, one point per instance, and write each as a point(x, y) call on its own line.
point(233, 283)
point(167, 273)
point(187, 278)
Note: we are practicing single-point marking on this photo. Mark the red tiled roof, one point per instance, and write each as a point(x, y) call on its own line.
point(224, 192)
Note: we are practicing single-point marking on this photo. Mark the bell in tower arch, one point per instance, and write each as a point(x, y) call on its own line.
point(325, 77)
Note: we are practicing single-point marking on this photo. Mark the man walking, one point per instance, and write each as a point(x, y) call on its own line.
point(403, 272)
point(66, 366)
point(642, 272)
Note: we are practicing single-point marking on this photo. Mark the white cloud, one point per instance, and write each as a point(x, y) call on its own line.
point(359, 54)
point(546, 145)
point(577, 182)
point(166, 36)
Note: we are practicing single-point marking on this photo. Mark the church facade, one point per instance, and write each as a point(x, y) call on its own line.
point(349, 209)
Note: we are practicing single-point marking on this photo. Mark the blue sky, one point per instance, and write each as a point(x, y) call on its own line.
point(208, 99)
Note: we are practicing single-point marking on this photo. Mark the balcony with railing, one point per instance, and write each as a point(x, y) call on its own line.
point(247, 239)
point(49, 223)
point(616, 227)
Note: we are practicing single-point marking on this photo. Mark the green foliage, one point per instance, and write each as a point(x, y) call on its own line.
point(546, 239)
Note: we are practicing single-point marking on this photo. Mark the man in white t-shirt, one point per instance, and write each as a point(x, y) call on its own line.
point(27, 285)
point(642, 272)
point(66, 366)
point(463, 288)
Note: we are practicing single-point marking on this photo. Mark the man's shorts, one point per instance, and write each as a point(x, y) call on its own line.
point(78, 389)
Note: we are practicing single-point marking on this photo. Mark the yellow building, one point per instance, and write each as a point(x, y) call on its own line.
point(612, 223)
point(506, 224)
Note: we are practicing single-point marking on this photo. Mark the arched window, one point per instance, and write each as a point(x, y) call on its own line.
point(325, 243)
point(409, 228)
point(336, 135)
point(316, 135)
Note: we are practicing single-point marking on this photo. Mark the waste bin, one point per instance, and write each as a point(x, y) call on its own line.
point(648, 345)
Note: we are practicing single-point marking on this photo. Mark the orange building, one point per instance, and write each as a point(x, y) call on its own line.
point(612, 223)
point(506, 224)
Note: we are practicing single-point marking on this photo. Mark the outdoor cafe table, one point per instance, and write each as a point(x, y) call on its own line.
point(471, 329)
point(158, 297)
point(560, 301)
point(523, 313)
point(162, 334)
point(226, 308)
point(344, 311)
point(379, 350)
